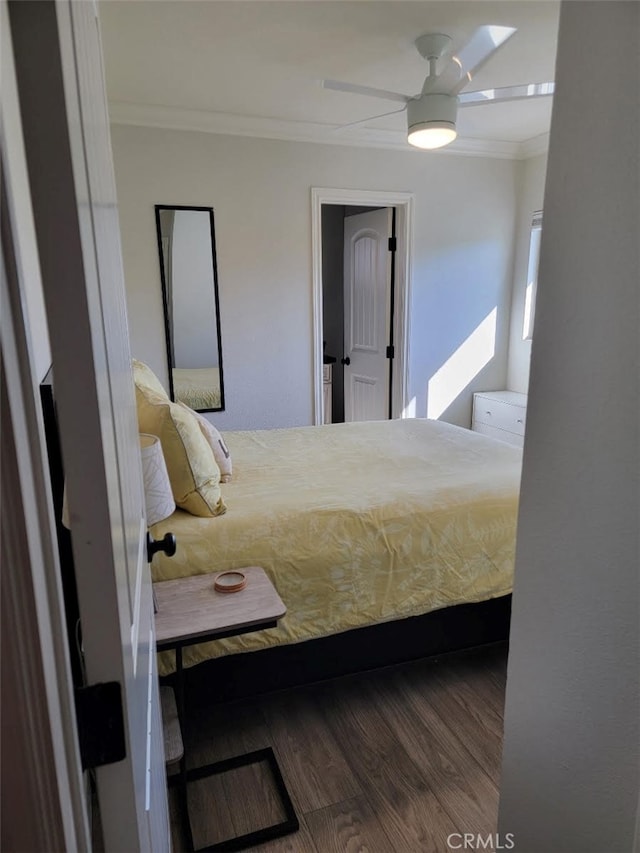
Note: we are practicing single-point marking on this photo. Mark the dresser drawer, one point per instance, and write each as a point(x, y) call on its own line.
point(500, 434)
point(499, 414)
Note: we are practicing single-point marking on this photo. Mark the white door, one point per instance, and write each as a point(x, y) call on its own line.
point(367, 307)
point(61, 87)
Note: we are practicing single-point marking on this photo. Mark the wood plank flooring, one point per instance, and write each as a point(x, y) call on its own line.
point(390, 761)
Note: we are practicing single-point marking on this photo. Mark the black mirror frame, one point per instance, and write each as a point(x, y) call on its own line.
point(165, 304)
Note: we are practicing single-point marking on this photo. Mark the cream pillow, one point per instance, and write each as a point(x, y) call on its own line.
point(193, 472)
point(217, 444)
point(146, 381)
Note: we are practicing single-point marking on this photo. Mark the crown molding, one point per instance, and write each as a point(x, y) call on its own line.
point(202, 121)
point(534, 146)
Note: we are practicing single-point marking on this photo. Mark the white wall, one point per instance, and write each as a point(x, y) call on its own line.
point(572, 717)
point(260, 191)
point(531, 177)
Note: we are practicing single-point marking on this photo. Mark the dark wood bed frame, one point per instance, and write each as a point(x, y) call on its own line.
point(451, 629)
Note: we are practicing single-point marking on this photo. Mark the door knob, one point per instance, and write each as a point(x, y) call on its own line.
point(346, 360)
point(166, 544)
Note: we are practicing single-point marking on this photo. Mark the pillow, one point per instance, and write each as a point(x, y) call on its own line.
point(217, 444)
point(146, 381)
point(193, 472)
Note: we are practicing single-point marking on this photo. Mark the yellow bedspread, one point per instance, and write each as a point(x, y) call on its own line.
point(355, 524)
point(198, 387)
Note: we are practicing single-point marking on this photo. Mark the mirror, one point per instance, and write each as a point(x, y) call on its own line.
point(187, 248)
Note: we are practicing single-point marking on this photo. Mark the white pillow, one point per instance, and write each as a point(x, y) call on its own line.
point(216, 442)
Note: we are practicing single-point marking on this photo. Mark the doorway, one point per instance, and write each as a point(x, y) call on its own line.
point(360, 377)
point(358, 261)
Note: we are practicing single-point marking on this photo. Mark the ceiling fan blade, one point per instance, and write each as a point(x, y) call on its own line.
point(480, 47)
point(351, 124)
point(339, 86)
point(505, 93)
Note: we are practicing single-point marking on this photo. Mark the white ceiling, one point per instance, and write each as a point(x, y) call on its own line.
point(255, 66)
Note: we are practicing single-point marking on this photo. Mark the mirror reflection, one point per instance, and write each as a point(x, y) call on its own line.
point(186, 243)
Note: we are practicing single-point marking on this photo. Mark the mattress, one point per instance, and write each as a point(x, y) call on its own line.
point(198, 387)
point(356, 524)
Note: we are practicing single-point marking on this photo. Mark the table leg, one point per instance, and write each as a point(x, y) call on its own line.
point(288, 825)
point(186, 822)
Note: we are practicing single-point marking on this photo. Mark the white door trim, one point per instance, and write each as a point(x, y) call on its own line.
point(403, 203)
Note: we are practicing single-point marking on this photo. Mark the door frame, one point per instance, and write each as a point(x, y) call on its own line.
point(404, 204)
point(49, 809)
point(77, 237)
point(43, 754)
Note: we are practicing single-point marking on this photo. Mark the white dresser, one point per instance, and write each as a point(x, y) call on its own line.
point(500, 414)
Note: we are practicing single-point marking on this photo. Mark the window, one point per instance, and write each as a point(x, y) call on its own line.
point(532, 276)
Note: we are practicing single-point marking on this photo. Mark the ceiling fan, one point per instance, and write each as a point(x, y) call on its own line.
point(431, 115)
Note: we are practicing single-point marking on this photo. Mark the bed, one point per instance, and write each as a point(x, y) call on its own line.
point(359, 526)
point(198, 388)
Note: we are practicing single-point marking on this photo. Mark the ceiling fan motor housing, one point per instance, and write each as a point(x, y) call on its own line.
point(434, 110)
point(430, 110)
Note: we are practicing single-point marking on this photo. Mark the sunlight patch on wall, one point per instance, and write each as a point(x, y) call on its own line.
point(527, 326)
point(460, 368)
point(409, 410)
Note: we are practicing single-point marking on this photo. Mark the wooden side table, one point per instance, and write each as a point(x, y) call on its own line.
point(191, 611)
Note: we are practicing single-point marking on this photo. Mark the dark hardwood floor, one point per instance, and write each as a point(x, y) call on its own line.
point(391, 760)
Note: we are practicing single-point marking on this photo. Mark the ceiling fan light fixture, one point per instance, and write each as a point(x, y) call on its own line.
point(433, 134)
point(431, 121)
point(432, 115)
